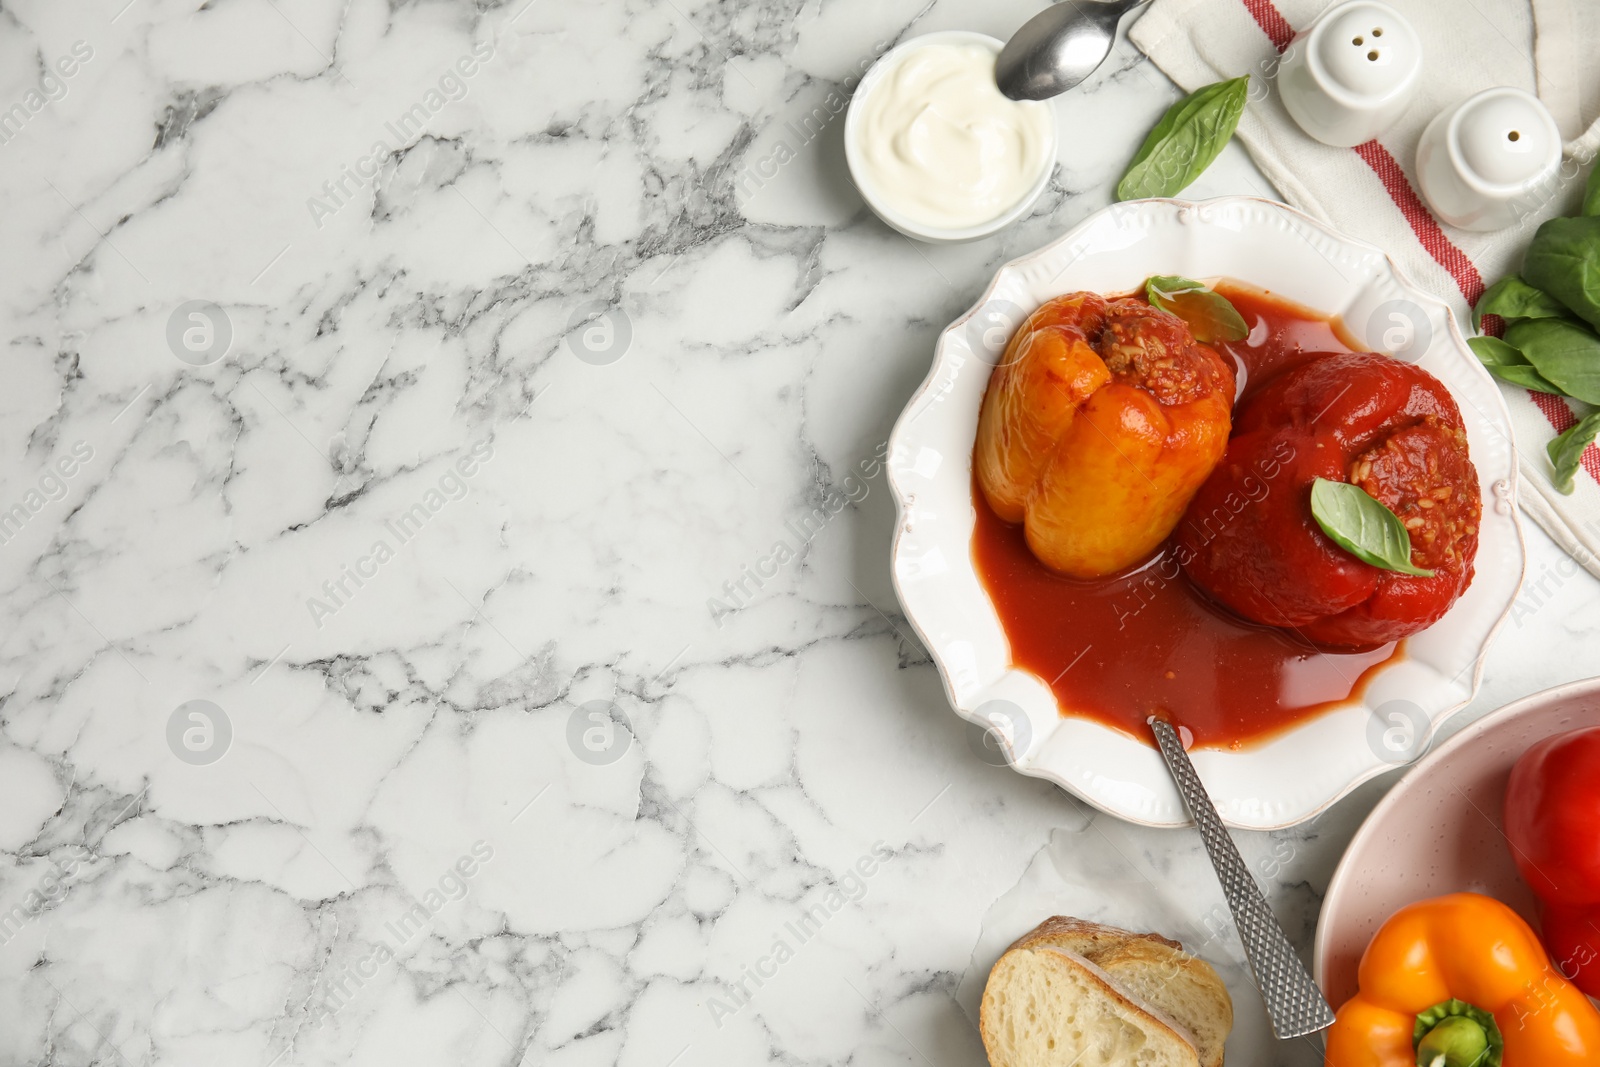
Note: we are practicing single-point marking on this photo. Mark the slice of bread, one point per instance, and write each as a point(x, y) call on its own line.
point(1045, 1007)
point(1155, 970)
point(1183, 986)
point(1168, 990)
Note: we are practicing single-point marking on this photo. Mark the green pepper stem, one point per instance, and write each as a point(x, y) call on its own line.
point(1457, 1034)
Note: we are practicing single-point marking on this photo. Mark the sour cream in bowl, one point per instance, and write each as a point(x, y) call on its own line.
point(936, 150)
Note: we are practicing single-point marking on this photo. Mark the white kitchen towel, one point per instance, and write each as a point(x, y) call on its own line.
point(1368, 192)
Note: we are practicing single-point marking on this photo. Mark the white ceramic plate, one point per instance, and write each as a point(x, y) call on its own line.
point(1298, 773)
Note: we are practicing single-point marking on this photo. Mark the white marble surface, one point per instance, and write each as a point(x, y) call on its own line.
point(405, 852)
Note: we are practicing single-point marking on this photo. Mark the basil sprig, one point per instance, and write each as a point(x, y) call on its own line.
point(1185, 141)
point(1209, 315)
point(1564, 260)
point(1363, 527)
point(1512, 298)
point(1566, 451)
point(1552, 315)
point(1564, 352)
point(1507, 364)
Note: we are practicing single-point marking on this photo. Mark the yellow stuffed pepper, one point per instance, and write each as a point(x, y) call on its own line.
point(1097, 429)
point(1462, 981)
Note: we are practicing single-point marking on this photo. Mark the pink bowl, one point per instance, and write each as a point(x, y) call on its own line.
point(1438, 831)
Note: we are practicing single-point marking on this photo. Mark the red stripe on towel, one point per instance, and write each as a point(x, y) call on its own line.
point(1422, 222)
point(1271, 21)
point(1426, 229)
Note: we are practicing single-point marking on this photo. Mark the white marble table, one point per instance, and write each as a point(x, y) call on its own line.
point(322, 534)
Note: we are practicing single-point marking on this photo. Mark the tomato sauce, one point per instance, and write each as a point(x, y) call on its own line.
point(1119, 649)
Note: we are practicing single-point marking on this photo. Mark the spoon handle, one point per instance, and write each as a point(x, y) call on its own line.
point(1294, 1003)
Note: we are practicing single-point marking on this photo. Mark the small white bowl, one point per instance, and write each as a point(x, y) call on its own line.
point(1488, 162)
point(1291, 776)
point(1342, 84)
point(881, 204)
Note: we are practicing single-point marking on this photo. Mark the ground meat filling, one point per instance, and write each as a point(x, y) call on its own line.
point(1419, 473)
point(1154, 350)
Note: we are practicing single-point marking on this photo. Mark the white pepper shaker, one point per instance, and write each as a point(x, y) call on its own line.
point(1489, 161)
point(1352, 74)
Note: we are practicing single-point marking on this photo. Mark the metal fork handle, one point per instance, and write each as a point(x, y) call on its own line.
point(1294, 1003)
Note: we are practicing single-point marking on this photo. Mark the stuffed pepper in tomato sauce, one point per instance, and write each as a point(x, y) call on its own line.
point(1149, 542)
point(1366, 419)
point(1100, 424)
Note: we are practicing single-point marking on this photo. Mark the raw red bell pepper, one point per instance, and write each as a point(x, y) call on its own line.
point(1552, 820)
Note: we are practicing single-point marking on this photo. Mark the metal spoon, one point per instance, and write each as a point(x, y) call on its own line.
point(1059, 47)
point(1294, 1003)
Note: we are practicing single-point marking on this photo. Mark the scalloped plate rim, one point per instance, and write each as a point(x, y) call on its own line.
point(903, 497)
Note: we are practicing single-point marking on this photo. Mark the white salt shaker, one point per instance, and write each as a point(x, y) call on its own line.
point(1352, 74)
point(1489, 161)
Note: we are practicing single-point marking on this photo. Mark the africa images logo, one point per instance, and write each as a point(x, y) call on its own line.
point(849, 888)
point(407, 129)
point(453, 485)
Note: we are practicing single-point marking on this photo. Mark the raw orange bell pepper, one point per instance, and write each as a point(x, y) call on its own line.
point(1462, 981)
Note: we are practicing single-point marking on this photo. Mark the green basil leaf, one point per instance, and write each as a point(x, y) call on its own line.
point(1507, 364)
point(1363, 527)
point(1512, 298)
point(1493, 352)
point(1209, 315)
point(1185, 141)
point(1564, 260)
point(1591, 192)
point(1176, 115)
point(1525, 376)
point(1566, 451)
point(1564, 352)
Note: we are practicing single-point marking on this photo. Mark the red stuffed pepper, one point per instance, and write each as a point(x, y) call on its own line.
point(1249, 538)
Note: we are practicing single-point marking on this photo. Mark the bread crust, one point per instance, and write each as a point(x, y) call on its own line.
point(1108, 949)
point(1061, 927)
point(987, 1025)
